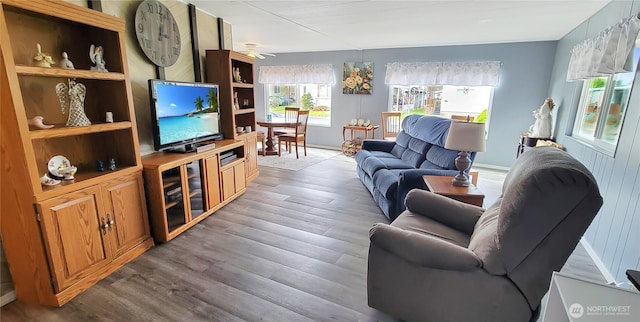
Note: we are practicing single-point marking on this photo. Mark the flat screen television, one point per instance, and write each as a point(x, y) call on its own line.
point(183, 114)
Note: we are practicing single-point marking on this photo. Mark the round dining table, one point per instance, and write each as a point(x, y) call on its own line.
point(270, 125)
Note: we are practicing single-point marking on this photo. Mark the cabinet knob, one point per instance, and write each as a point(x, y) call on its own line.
point(104, 226)
point(110, 222)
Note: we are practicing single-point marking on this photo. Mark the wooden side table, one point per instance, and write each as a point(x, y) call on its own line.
point(442, 185)
point(351, 146)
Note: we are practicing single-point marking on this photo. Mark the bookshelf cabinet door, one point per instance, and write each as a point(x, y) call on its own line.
point(126, 208)
point(73, 231)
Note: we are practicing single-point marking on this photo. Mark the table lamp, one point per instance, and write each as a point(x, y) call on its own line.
point(465, 137)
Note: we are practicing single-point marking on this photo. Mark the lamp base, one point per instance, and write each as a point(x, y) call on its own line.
point(462, 163)
point(461, 180)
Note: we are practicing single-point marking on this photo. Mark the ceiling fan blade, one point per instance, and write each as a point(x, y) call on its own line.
point(259, 56)
point(268, 54)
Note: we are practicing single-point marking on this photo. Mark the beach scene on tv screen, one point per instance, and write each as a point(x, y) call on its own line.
point(185, 112)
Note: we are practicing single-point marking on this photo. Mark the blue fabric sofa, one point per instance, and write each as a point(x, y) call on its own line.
point(390, 169)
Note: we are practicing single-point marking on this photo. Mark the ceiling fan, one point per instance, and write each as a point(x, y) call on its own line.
point(253, 52)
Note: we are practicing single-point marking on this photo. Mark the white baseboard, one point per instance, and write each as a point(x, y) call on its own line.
point(7, 298)
point(490, 166)
point(324, 147)
point(596, 260)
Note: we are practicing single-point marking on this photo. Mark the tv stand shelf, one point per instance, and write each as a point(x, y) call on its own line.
point(185, 188)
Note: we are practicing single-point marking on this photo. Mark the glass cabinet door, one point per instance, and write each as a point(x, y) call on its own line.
point(194, 184)
point(173, 198)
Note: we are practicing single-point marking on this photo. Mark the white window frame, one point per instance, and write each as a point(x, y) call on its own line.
point(298, 100)
point(596, 141)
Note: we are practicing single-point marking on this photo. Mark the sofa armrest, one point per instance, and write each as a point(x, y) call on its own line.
point(378, 145)
point(423, 250)
point(453, 213)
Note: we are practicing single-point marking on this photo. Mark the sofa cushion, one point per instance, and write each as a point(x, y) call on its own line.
point(393, 163)
point(382, 154)
point(402, 142)
point(415, 153)
point(372, 164)
point(361, 155)
point(430, 129)
point(441, 157)
point(386, 182)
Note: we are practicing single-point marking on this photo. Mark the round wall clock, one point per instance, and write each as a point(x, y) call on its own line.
point(157, 33)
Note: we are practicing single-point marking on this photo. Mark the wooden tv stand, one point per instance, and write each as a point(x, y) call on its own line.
point(183, 189)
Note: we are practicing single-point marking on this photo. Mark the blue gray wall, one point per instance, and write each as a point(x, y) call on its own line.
point(615, 232)
point(524, 85)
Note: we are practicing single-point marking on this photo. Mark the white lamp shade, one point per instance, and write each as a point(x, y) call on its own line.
point(466, 136)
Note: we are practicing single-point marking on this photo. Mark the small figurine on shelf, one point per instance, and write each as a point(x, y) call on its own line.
point(41, 59)
point(65, 62)
point(112, 164)
point(542, 126)
point(72, 97)
point(236, 104)
point(38, 122)
point(236, 75)
point(97, 57)
point(100, 165)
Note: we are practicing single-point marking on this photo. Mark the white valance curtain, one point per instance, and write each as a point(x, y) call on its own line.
point(297, 74)
point(610, 52)
point(481, 73)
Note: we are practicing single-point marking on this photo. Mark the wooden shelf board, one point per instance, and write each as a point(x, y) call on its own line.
point(244, 111)
point(68, 73)
point(62, 131)
point(242, 85)
point(84, 178)
point(170, 181)
point(171, 204)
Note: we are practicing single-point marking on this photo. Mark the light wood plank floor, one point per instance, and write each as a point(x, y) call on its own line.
point(293, 248)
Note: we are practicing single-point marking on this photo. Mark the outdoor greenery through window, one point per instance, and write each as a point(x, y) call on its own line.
point(444, 100)
point(313, 97)
point(603, 103)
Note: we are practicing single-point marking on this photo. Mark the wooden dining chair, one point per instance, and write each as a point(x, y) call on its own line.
point(391, 125)
point(467, 117)
point(262, 139)
point(300, 134)
point(290, 116)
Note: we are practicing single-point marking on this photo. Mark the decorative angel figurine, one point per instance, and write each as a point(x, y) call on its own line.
point(41, 59)
point(97, 57)
point(542, 126)
point(65, 62)
point(236, 75)
point(72, 97)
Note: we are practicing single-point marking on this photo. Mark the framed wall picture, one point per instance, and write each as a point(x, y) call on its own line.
point(357, 78)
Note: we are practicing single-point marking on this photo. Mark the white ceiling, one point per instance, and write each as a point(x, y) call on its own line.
point(307, 26)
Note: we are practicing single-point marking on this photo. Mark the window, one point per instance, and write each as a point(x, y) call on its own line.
point(602, 107)
point(445, 100)
point(313, 97)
